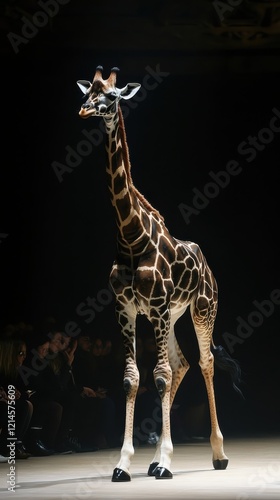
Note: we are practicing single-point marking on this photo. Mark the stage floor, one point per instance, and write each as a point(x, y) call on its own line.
point(253, 472)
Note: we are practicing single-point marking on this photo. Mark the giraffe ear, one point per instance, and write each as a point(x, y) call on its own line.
point(129, 90)
point(84, 85)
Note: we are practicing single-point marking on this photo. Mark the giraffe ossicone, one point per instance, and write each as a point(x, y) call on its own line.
point(157, 275)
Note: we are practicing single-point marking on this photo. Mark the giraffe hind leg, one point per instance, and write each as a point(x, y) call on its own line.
point(204, 324)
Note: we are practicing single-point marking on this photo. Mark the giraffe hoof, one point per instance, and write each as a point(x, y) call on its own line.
point(120, 475)
point(162, 473)
point(220, 464)
point(152, 469)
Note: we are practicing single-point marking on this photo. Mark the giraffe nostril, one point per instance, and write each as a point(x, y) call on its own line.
point(102, 108)
point(85, 106)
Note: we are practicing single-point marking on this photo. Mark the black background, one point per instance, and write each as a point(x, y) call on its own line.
point(58, 238)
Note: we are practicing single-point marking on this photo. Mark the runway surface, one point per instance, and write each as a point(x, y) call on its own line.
point(253, 472)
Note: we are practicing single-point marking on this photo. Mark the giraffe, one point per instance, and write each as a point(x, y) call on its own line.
point(156, 275)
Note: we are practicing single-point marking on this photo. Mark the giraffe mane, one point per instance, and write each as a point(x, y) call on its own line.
point(139, 195)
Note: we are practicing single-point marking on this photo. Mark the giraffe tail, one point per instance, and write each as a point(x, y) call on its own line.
point(224, 361)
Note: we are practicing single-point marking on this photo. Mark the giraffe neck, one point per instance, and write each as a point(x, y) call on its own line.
point(134, 215)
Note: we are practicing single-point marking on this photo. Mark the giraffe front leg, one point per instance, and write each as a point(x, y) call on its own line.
point(121, 472)
point(161, 470)
point(179, 366)
point(130, 384)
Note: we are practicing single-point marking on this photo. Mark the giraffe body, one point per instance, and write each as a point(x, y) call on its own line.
point(156, 275)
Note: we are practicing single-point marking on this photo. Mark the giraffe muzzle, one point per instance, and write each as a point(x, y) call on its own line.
point(92, 108)
point(85, 110)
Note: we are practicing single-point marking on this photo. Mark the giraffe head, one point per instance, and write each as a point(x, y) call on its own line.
point(102, 95)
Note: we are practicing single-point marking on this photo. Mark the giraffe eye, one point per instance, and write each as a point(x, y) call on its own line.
point(111, 95)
